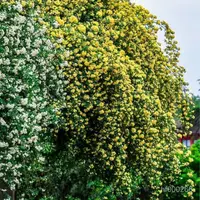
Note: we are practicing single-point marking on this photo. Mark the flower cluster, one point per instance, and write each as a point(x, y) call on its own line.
point(30, 85)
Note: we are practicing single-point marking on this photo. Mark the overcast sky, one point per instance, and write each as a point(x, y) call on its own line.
point(183, 17)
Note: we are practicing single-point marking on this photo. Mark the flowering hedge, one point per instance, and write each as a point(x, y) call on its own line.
point(125, 91)
point(122, 96)
point(29, 86)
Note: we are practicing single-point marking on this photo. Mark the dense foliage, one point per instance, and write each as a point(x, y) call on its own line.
point(116, 136)
point(196, 109)
point(190, 172)
point(29, 86)
point(195, 166)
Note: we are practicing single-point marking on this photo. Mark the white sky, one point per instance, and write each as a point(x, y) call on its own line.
point(183, 17)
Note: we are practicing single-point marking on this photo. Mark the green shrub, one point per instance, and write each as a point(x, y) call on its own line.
point(189, 179)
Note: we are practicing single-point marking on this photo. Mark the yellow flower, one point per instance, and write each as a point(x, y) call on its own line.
point(95, 28)
point(107, 163)
point(91, 166)
point(60, 21)
point(82, 28)
point(165, 130)
point(109, 12)
point(101, 112)
point(116, 139)
point(142, 142)
point(112, 158)
point(153, 121)
point(189, 194)
point(156, 113)
point(179, 135)
point(111, 20)
point(39, 1)
point(101, 104)
point(133, 130)
point(169, 114)
point(23, 3)
point(180, 152)
point(100, 13)
point(122, 34)
point(73, 19)
point(141, 136)
point(153, 130)
point(86, 97)
point(125, 147)
point(190, 160)
point(58, 113)
point(190, 174)
point(104, 155)
point(90, 35)
point(84, 53)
